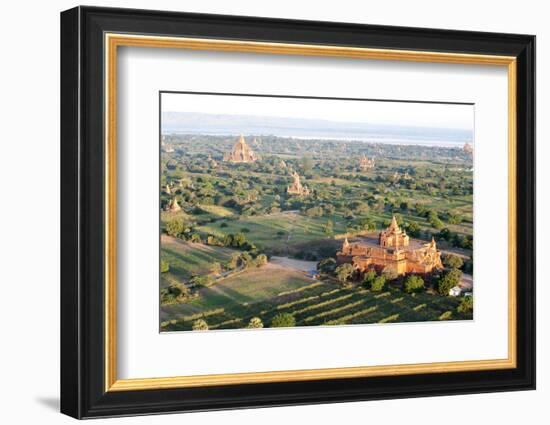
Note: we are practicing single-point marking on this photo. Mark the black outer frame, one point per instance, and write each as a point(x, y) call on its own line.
point(82, 207)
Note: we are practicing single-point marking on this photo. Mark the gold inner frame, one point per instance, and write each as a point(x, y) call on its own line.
point(113, 41)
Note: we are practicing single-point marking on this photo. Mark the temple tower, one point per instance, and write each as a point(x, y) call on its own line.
point(296, 188)
point(241, 152)
point(366, 163)
point(173, 206)
point(393, 236)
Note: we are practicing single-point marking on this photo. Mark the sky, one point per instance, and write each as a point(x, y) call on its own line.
point(374, 112)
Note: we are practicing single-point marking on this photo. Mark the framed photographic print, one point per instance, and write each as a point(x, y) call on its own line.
point(261, 212)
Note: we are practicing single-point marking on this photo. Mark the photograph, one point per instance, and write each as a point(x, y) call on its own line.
point(286, 211)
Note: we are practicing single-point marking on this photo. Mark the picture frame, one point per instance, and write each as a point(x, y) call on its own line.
point(91, 38)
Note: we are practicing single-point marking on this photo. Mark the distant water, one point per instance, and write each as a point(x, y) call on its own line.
point(374, 138)
point(301, 128)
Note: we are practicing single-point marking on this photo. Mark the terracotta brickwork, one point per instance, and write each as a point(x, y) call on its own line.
point(392, 250)
point(241, 152)
point(366, 163)
point(296, 188)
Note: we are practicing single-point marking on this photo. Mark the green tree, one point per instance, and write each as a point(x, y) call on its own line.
point(446, 315)
point(378, 284)
point(315, 212)
point(246, 259)
point(164, 266)
point(201, 280)
point(283, 320)
point(213, 240)
point(200, 325)
point(329, 228)
point(307, 164)
point(233, 263)
point(215, 268)
point(453, 261)
point(449, 280)
point(413, 229)
point(368, 278)
point(466, 305)
point(174, 293)
point(196, 238)
point(255, 323)
point(344, 272)
point(260, 260)
point(175, 227)
point(239, 239)
point(326, 265)
point(413, 284)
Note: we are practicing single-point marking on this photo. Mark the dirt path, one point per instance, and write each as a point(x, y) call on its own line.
point(467, 282)
point(291, 263)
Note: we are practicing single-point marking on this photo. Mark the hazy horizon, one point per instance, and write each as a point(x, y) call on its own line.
point(178, 122)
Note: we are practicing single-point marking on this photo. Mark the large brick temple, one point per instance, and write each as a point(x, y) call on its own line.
point(392, 249)
point(241, 152)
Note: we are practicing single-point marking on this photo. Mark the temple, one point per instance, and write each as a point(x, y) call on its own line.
point(391, 250)
point(366, 163)
point(173, 206)
point(241, 152)
point(296, 188)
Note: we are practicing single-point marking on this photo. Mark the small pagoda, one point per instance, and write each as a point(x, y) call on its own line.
point(296, 188)
point(173, 206)
point(366, 163)
point(468, 149)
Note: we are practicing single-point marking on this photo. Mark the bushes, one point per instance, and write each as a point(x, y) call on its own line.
point(175, 227)
point(215, 268)
point(283, 320)
point(314, 212)
point(200, 325)
point(255, 323)
point(391, 318)
point(435, 221)
point(413, 284)
point(329, 228)
point(466, 305)
point(164, 266)
point(327, 265)
point(344, 272)
point(260, 260)
point(368, 278)
point(174, 293)
point(213, 241)
point(378, 284)
point(446, 316)
point(201, 280)
point(238, 240)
